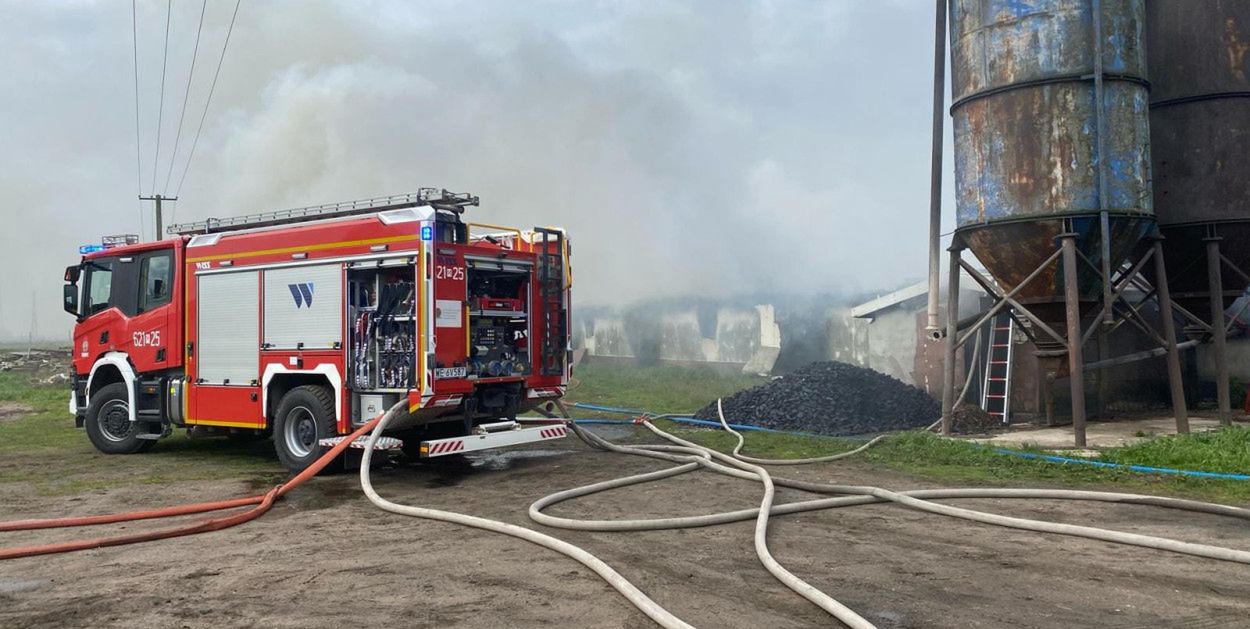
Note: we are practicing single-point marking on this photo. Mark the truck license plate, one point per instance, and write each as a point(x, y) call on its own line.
point(442, 373)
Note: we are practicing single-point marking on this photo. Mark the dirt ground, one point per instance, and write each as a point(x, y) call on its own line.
point(10, 411)
point(325, 557)
point(1103, 434)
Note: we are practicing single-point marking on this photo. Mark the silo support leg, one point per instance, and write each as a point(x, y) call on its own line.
point(1076, 362)
point(952, 336)
point(1104, 352)
point(1106, 319)
point(1048, 398)
point(1216, 288)
point(1169, 336)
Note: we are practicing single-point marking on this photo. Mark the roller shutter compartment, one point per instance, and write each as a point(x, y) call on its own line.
point(304, 307)
point(229, 332)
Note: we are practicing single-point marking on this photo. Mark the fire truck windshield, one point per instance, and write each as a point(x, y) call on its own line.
point(98, 287)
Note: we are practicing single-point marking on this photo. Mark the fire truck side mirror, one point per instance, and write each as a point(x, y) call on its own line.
point(72, 273)
point(71, 299)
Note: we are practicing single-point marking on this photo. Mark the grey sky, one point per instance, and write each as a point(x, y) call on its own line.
point(689, 147)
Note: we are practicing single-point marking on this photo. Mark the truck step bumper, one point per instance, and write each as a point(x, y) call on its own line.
point(487, 440)
point(384, 443)
point(154, 436)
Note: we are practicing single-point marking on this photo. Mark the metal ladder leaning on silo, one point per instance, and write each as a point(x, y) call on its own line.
point(996, 388)
point(1054, 238)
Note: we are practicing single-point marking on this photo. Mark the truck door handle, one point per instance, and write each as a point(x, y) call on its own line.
point(104, 337)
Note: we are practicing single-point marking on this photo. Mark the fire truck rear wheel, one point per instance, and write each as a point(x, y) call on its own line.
point(108, 422)
point(305, 416)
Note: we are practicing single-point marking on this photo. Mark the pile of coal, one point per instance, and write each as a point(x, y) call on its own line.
point(830, 398)
point(970, 419)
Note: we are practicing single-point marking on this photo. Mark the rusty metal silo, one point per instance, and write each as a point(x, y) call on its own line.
point(1199, 54)
point(1027, 137)
point(1050, 105)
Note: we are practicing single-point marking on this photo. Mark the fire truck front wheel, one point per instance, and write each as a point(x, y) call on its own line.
point(305, 416)
point(108, 422)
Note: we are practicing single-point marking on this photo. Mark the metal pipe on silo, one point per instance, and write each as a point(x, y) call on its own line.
point(952, 333)
point(935, 173)
point(1076, 361)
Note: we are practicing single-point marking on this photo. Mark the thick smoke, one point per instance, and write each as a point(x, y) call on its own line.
point(691, 148)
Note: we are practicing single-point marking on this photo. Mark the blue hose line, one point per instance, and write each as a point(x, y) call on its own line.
point(711, 424)
point(605, 409)
point(689, 419)
point(1024, 455)
point(682, 419)
point(1120, 466)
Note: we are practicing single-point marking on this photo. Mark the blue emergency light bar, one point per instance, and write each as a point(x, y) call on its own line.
point(85, 249)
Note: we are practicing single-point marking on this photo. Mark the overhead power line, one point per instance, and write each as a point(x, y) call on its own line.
point(160, 109)
point(134, 33)
point(209, 100)
point(186, 97)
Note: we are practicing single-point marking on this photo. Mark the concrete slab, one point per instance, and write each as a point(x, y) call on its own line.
point(1104, 434)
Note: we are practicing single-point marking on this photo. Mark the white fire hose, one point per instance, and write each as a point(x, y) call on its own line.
point(691, 456)
point(631, 592)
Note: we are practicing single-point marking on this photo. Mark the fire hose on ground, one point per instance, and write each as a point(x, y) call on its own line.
point(690, 457)
point(262, 504)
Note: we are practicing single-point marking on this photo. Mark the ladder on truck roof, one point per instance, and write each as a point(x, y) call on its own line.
point(433, 197)
point(552, 272)
point(996, 392)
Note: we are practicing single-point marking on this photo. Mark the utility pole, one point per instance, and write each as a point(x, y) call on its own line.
point(158, 198)
point(30, 335)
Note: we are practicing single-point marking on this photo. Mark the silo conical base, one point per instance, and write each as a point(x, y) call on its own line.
point(1011, 251)
point(1090, 271)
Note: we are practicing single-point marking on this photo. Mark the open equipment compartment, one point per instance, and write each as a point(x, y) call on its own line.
point(498, 319)
point(382, 333)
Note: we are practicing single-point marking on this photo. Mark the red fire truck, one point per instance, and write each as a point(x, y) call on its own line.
point(304, 323)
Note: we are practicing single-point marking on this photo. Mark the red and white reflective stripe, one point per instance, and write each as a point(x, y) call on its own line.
point(383, 443)
point(553, 432)
point(450, 400)
point(446, 446)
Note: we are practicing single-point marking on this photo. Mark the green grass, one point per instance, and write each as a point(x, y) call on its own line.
point(45, 450)
point(760, 444)
point(673, 389)
point(924, 455)
point(37, 431)
point(930, 457)
point(1226, 450)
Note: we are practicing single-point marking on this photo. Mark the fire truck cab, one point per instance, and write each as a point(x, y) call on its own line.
point(304, 324)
